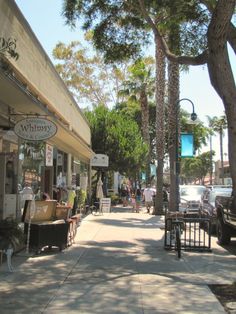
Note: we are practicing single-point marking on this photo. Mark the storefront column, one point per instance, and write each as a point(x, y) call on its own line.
point(69, 171)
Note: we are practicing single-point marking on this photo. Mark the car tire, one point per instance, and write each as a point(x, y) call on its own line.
point(178, 243)
point(213, 229)
point(223, 232)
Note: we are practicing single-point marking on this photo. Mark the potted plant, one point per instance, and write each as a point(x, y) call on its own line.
point(11, 234)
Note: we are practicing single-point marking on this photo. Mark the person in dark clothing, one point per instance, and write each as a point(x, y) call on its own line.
point(124, 195)
point(165, 198)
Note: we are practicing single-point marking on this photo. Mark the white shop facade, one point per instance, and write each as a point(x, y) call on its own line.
point(45, 140)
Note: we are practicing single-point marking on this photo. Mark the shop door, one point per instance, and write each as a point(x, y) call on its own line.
point(8, 186)
point(47, 180)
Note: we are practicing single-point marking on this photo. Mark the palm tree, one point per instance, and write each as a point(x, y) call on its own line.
point(139, 88)
point(218, 125)
point(211, 133)
point(160, 125)
point(173, 112)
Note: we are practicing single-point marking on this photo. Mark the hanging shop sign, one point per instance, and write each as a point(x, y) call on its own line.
point(99, 160)
point(35, 129)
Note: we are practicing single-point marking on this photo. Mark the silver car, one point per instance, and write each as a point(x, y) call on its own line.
point(209, 203)
point(190, 197)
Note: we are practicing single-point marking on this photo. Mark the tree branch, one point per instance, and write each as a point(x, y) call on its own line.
point(232, 30)
point(197, 60)
point(220, 23)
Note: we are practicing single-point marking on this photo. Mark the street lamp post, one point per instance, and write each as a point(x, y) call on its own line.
point(177, 162)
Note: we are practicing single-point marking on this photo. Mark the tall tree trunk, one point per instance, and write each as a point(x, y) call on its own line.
point(145, 128)
point(221, 76)
point(211, 160)
point(144, 116)
point(173, 114)
point(160, 125)
point(220, 31)
point(222, 157)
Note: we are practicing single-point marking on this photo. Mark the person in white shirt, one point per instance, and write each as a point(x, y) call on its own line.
point(148, 197)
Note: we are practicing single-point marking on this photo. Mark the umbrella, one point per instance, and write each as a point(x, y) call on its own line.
point(99, 192)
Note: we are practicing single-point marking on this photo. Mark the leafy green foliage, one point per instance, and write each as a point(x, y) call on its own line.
point(121, 32)
point(81, 197)
point(200, 132)
point(218, 124)
point(118, 137)
point(196, 168)
point(117, 28)
point(89, 79)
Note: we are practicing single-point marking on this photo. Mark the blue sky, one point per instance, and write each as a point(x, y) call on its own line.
point(47, 23)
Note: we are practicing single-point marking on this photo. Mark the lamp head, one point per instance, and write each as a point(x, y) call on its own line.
point(193, 116)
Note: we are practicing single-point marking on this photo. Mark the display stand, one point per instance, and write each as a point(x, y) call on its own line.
point(31, 215)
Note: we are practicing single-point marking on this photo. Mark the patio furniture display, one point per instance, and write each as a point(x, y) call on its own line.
point(46, 230)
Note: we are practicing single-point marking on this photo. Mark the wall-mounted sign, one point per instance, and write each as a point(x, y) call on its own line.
point(49, 155)
point(35, 129)
point(99, 160)
point(59, 159)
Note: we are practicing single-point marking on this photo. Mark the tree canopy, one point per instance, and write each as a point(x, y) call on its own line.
point(90, 80)
point(196, 168)
point(119, 137)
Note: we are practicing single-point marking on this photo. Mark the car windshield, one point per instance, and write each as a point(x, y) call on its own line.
point(191, 190)
point(219, 192)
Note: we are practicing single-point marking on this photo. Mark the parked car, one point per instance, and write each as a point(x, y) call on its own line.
point(209, 205)
point(190, 197)
point(226, 219)
point(216, 186)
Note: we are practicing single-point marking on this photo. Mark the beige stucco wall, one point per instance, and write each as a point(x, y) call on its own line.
point(37, 70)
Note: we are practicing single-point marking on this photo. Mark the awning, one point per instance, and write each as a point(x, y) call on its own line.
point(22, 102)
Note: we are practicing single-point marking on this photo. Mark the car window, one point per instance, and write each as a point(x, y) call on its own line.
point(188, 191)
point(219, 192)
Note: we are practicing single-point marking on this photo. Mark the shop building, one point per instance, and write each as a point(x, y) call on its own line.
point(45, 140)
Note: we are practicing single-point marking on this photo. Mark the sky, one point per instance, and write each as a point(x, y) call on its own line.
point(47, 23)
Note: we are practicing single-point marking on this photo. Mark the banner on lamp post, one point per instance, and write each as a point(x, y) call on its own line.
point(187, 145)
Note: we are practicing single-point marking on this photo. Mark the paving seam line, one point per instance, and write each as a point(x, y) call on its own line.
point(69, 273)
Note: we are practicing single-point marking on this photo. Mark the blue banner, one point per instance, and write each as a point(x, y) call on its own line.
point(187, 147)
point(153, 170)
point(143, 176)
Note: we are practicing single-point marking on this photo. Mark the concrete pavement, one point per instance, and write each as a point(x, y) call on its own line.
point(117, 265)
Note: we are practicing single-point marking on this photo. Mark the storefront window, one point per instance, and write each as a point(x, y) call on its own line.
point(60, 164)
point(31, 161)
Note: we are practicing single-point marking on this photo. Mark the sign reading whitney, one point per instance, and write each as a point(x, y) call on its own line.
point(35, 129)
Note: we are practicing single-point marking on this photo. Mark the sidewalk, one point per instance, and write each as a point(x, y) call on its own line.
point(117, 265)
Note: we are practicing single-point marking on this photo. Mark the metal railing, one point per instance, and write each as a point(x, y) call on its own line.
point(195, 232)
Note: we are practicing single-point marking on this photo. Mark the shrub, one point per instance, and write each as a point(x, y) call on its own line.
point(115, 199)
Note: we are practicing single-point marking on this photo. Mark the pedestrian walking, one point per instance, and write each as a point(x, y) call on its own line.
point(133, 202)
point(138, 197)
point(148, 197)
point(124, 195)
